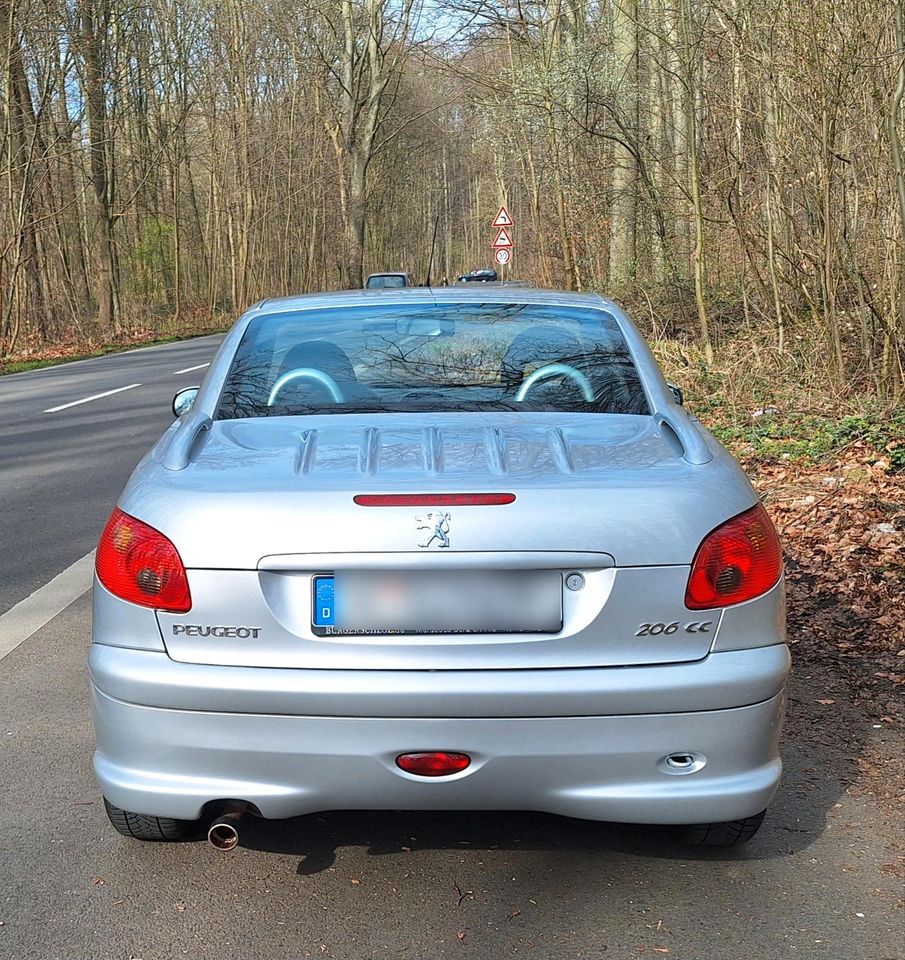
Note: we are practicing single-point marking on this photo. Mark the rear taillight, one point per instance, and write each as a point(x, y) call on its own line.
point(137, 563)
point(738, 561)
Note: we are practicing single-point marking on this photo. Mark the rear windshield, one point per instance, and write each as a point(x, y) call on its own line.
point(432, 358)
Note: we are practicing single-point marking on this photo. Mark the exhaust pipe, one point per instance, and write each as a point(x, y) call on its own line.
point(223, 833)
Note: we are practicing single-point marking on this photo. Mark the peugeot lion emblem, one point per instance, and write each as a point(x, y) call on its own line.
point(438, 526)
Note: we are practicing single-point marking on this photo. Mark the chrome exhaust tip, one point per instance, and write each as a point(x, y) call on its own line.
point(682, 762)
point(223, 836)
point(223, 833)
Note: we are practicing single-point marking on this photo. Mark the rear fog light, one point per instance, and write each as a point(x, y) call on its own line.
point(435, 764)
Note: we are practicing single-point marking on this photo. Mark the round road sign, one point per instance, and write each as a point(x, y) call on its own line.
point(503, 255)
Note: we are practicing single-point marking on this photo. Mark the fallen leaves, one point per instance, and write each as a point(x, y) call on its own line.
point(842, 524)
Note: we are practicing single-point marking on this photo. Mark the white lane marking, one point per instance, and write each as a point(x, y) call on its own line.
point(97, 396)
point(32, 613)
point(200, 366)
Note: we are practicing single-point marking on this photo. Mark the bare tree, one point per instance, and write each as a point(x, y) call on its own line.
point(93, 21)
point(725, 165)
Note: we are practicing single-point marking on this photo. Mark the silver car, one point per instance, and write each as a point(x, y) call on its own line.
point(458, 548)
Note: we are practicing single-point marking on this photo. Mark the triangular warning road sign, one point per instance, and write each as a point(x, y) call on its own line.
point(502, 239)
point(502, 218)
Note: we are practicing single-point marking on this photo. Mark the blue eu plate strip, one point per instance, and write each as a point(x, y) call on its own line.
point(324, 602)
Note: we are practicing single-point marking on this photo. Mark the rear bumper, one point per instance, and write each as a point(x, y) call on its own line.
point(606, 764)
point(722, 680)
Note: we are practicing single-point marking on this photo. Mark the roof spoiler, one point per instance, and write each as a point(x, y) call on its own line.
point(683, 435)
point(185, 440)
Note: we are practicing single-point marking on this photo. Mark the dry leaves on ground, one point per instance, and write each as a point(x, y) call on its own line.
point(842, 524)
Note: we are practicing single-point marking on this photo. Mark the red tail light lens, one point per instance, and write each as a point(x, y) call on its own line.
point(137, 563)
point(435, 764)
point(738, 561)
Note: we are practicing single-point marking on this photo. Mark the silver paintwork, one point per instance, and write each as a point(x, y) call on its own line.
point(617, 482)
point(720, 681)
point(598, 767)
point(578, 722)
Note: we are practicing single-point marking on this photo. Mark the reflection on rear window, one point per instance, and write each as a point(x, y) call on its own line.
point(432, 357)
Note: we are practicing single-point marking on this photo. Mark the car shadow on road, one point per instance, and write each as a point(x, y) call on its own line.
point(819, 753)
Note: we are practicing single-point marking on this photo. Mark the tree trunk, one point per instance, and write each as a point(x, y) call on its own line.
point(895, 339)
point(92, 20)
point(623, 207)
point(694, 173)
point(24, 297)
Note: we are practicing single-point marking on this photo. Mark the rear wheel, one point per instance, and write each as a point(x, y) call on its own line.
point(728, 834)
point(138, 826)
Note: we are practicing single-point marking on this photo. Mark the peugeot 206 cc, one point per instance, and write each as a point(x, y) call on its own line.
point(437, 549)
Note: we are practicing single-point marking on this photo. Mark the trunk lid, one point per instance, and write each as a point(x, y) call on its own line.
point(608, 483)
point(265, 506)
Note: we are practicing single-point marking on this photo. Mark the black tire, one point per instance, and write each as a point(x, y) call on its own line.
point(141, 827)
point(729, 834)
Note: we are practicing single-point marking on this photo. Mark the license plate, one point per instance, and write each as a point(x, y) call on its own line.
point(387, 603)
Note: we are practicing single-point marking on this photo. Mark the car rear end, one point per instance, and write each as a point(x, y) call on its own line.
point(388, 281)
point(519, 609)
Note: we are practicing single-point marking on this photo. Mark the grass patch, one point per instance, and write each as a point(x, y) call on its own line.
point(21, 366)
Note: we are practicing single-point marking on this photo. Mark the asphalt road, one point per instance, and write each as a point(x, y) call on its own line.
point(61, 470)
point(823, 878)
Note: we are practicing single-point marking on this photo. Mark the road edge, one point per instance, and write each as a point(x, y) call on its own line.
point(111, 353)
point(28, 616)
